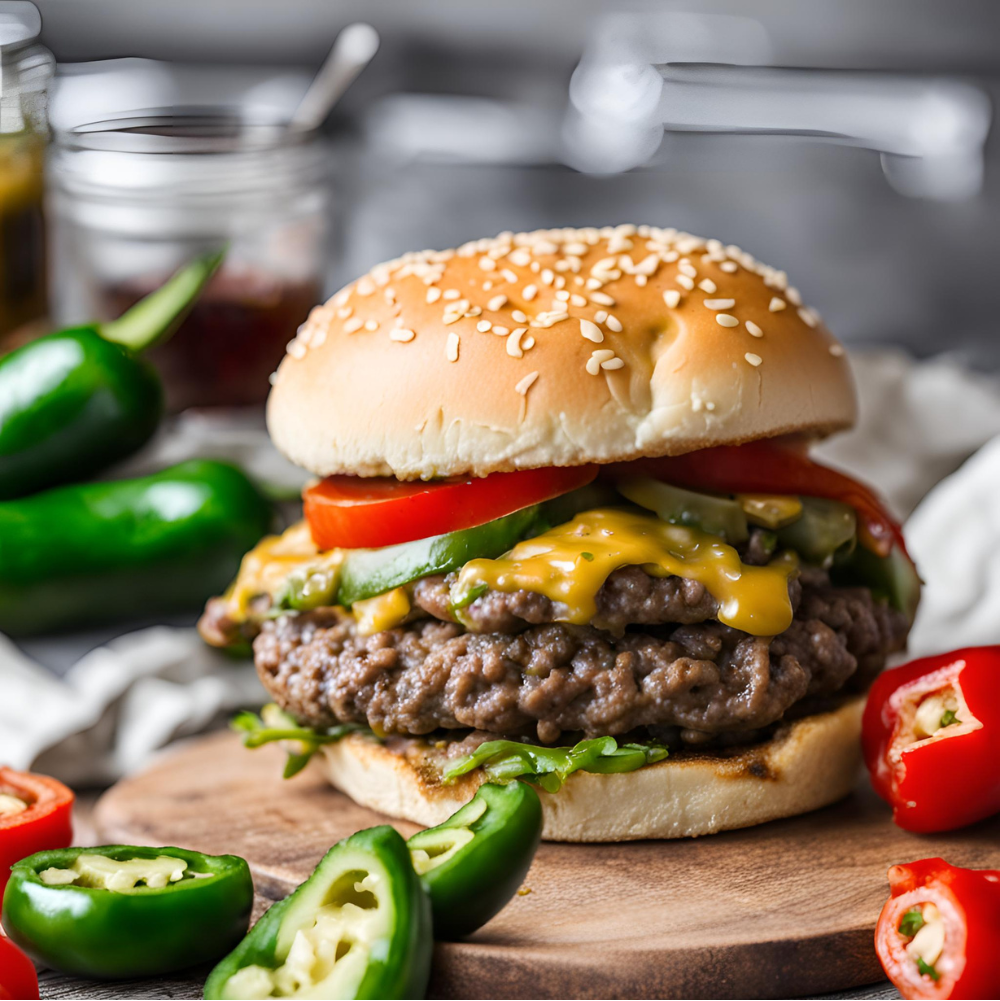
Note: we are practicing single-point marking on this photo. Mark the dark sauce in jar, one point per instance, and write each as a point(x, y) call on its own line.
point(231, 341)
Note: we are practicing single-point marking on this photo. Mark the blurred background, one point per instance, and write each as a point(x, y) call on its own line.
point(848, 142)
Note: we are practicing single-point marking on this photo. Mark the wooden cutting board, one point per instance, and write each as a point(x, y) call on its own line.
point(781, 910)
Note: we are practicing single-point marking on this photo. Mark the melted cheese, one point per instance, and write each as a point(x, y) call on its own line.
point(570, 564)
point(373, 615)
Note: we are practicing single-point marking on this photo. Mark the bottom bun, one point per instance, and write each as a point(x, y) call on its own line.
point(806, 764)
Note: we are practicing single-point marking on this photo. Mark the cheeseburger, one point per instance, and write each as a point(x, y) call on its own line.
point(565, 528)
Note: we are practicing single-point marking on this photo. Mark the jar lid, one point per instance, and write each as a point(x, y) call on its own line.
point(177, 153)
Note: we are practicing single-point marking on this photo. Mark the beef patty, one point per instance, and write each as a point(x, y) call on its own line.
point(699, 676)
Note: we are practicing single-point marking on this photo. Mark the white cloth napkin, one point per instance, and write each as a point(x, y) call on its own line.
point(123, 701)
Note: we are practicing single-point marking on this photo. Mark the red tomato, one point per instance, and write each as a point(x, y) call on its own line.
point(776, 467)
point(353, 512)
point(46, 823)
point(18, 979)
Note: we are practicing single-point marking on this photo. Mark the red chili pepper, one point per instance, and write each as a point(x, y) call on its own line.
point(931, 737)
point(44, 820)
point(18, 979)
point(938, 935)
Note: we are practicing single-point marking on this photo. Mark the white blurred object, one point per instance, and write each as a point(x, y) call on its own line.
point(118, 705)
point(644, 73)
point(954, 537)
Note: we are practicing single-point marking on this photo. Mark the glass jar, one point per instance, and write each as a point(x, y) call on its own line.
point(134, 198)
point(25, 71)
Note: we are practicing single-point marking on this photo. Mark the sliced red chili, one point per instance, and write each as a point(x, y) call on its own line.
point(18, 979)
point(44, 820)
point(931, 737)
point(938, 935)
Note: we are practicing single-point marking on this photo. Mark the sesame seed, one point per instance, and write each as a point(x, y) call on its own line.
point(729, 267)
point(452, 293)
point(345, 312)
point(526, 383)
point(451, 347)
point(776, 305)
point(518, 316)
point(684, 282)
point(672, 297)
point(520, 257)
point(755, 331)
point(514, 342)
point(686, 268)
point(501, 331)
point(535, 267)
point(614, 324)
point(836, 350)
point(483, 326)
point(433, 294)
point(594, 283)
point(548, 277)
point(509, 276)
point(560, 282)
point(641, 280)
point(601, 315)
point(528, 342)
point(612, 364)
point(602, 298)
point(402, 335)
point(487, 263)
point(497, 302)
point(809, 318)
point(754, 360)
point(720, 303)
point(529, 292)
point(365, 286)
point(371, 324)
point(487, 285)
point(726, 320)
point(562, 296)
point(296, 349)
point(602, 354)
point(472, 311)
point(792, 295)
point(577, 300)
point(707, 285)
point(353, 325)
point(591, 331)
point(709, 405)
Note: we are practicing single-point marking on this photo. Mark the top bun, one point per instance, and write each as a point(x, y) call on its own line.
point(557, 347)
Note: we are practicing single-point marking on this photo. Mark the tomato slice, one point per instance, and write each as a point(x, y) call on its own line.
point(774, 467)
point(17, 973)
point(354, 512)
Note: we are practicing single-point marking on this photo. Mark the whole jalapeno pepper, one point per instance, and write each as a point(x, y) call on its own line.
point(358, 927)
point(99, 552)
point(36, 812)
point(122, 911)
point(931, 738)
point(938, 935)
point(75, 401)
point(473, 863)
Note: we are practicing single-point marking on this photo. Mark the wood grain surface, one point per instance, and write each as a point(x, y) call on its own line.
point(781, 910)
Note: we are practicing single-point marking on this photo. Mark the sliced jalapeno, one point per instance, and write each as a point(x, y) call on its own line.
point(474, 862)
point(358, 927)
point(123, 911)
point(717, 515)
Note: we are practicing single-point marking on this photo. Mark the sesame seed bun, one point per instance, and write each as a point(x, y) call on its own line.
point(556, 347)
point(807, 764)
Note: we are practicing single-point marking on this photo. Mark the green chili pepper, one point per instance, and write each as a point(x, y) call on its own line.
point(121, 911)
point(891, 577)
point(473, 863)
point(549, 767)
point(826, 531)
point(75, 401)
point(717, 515)
point(912, 921)
point(99, 552)
point(362, 920)
point(301, 742)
